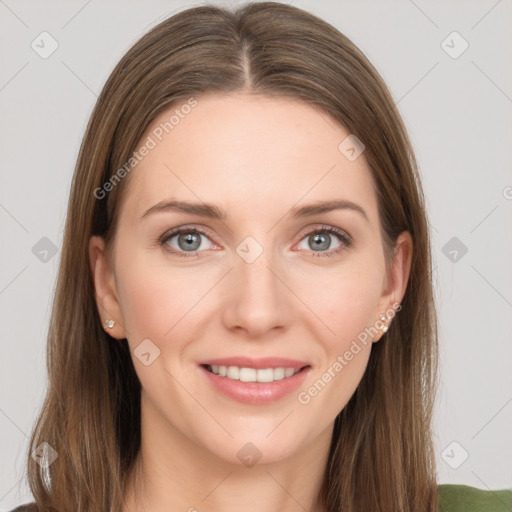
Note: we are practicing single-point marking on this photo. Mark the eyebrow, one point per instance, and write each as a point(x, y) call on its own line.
point(214, 212)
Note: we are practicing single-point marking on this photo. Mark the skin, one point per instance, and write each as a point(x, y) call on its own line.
point(256, 158)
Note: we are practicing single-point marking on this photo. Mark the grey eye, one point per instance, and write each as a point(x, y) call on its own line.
point(188, 241)
point(319, 242)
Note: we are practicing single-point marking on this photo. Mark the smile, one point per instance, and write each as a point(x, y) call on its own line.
point(254, 386)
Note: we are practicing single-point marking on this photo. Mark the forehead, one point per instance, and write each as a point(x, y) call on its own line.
point(247, 151)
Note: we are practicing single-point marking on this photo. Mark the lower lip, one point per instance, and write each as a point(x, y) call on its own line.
point(256, 393)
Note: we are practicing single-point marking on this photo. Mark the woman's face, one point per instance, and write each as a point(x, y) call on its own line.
point(253, 275)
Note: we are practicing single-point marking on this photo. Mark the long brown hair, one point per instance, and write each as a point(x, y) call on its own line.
point(381, 456)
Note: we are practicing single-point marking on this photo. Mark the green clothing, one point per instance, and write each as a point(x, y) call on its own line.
point(452, 498)
point(462, 498)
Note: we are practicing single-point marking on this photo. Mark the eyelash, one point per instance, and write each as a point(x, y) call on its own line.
point(343, 237)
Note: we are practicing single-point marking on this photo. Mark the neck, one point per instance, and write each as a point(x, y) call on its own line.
point(172, 472)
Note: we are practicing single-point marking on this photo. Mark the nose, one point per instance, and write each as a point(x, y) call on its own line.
point(256, 300)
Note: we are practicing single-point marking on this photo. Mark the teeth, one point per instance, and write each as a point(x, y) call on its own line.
point(288, 372)
point(252, 374)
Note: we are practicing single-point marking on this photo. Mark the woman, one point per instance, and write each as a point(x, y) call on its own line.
point(244, 313)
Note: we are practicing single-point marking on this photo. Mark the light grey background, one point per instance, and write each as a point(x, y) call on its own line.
point(457, 111)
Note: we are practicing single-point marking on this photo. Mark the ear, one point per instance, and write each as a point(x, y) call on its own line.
point(396, 281)
point(106, 295)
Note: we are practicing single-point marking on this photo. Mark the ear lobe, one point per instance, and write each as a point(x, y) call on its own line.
point(104, 286)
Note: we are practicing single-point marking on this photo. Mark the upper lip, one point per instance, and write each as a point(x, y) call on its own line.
point(259, 363)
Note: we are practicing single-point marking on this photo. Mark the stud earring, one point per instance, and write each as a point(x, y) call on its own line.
point(384, 328)
point(109, 323)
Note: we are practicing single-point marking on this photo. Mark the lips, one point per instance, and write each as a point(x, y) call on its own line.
point(290, 374)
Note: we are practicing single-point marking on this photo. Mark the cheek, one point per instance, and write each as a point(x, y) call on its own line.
point(347, 305)
point(156, 298)
point(145, 306)
point(158, 303)
point(355, 309)
point(345, 299)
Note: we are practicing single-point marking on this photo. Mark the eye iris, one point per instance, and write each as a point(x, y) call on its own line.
point(192, 241)
point(319, 240)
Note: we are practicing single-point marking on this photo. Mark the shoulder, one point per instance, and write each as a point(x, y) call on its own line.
point(452, 498)
point(463, 498)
